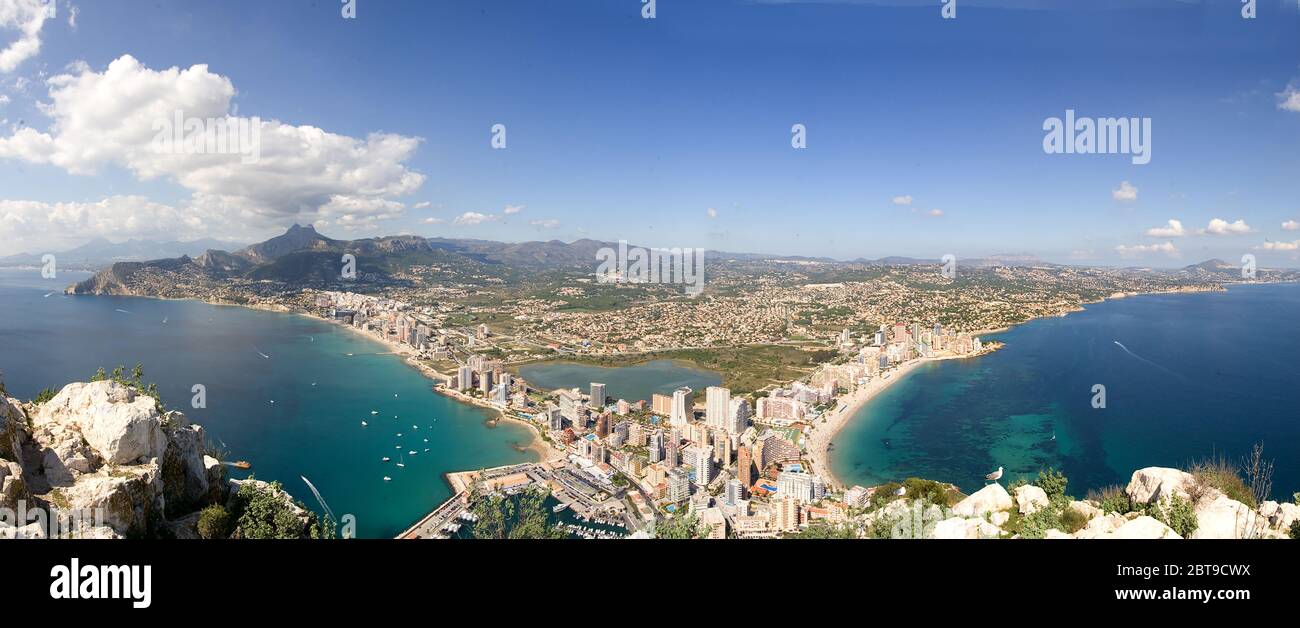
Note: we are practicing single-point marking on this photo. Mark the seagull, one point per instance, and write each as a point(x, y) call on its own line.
point(995, 476)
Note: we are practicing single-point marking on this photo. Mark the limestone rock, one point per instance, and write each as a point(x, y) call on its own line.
point(1053, 533)
point(13, 487)
point(999, 518)
point(1152, 483)
point(1282, 517)
point(1030, 498)
point(121, 425)
point(63, 453)
point(129, 498)
point(962, 528)
point(1087, 509)
point(185, 473)
point(991, 498)
point(1226, 518)
point(1143, 527)
point(1100, 526)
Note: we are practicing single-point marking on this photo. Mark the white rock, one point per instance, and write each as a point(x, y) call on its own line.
point(121, 425)
point(126, 498)
point(1086, 509)
point(962, 528)
point(991, 498)
point(1143, 527)
point(999, 518)
point(1152, 483)
point(1053, 533)
point(1226, 518)
point(1283, 518)
point(1030, 498)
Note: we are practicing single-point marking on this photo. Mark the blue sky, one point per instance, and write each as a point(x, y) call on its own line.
point(675, 131)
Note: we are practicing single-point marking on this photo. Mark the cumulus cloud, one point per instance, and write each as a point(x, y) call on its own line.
point(28, 18)
point(422, 205)
point(1289, 98)
point(1138, 250)
point(1125, 193)
point(469, 219)
point(1280, 246)
point(513, 209)
point(1172, 229)
point(1290, 225)
point(51, 226)
point(433, 221)
point(1218, 226)
point(712, 213)
point(901, 200)
point(545, 224)
point(935, 213)
point(303, 173)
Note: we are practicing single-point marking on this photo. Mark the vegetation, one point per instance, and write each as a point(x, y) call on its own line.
point(883, 528)
point(45, 395)
point(688, 527)
point(1295, 529)
point(1112, 499)
point(824, 530)
point(264, 512)
point(1177, 513)
point(134, 381)
point(745, 370)
point(928, 491)
point(214, 522)
point(1052, 482)
point(522, 516)
point(1219, 474)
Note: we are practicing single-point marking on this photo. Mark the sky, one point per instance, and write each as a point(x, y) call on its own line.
point(922, 136)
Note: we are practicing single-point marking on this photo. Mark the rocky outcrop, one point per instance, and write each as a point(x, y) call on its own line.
point(1143, 527)
point(990, 499)
point(1225, 518)
point(1030, 498)
point(102, 461)
point(1151, 484)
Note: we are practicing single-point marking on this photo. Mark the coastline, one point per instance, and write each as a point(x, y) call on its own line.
point(818, 439)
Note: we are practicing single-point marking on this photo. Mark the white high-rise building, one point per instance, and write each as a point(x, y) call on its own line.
point(717, 402)
point(735, 492)
point(597, 395)
point(682, 410)
point(737, 416)
point(701, 457)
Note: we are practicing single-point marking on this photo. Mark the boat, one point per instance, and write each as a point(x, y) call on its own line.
point(401, 464)
point(386, 459)
point(363, 424)
point(388, 479)
point(559, 507)
point(241, 464)
point(412, 452)
point(374, 412)
point(426, 450)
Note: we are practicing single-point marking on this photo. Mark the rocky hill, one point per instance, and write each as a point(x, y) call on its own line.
point(104, 459)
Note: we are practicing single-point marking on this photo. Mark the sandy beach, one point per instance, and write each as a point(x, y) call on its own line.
point(817, 441)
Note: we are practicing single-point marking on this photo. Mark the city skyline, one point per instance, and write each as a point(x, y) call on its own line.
point(672, 131)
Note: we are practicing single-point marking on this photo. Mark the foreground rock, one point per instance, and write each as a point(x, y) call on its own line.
point(990, 499)
point(1151, 484)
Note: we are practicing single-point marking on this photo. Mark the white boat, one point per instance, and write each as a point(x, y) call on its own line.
point(399, 434)
point(374, 412)
point(386, 459)
point(401, 464)
point(412, 452)
point(426, 450)
point(363, 424)
point(388, 479)
point(397, 446)
point(559, 507)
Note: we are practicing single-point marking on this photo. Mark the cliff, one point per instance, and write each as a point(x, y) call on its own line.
point(102, 460)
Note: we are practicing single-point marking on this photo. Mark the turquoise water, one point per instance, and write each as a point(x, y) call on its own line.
point(313, 431)
point(632, 383)
point(1198, 374)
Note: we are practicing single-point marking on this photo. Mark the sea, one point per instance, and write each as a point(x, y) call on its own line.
point(284, 392)
point(1185, 377)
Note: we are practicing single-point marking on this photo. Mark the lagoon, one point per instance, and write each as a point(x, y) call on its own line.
point(633, 383)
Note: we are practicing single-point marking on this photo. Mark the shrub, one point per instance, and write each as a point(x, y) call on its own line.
point(1034, 526)
point(1052, 482)
point(1219, 474)
point(1072, 520)
point(214, 522)
point(1111, 499)
point(1177, 513)
point(1295, 529)
point(264, 513)
point(45, 395)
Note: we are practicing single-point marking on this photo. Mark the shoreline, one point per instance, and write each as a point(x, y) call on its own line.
point(818, 439)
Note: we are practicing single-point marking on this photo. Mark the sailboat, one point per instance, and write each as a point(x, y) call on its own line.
point(363, 424)
point(402, 463)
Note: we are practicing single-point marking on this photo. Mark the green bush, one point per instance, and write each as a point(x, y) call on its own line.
point(1072, 520)
point(262, 512)
point(1052, 482)
point(1295, 529)
point(1177, 513)
point(1035, 525)
point(1218, 473)
point(1111, 499)
point(45, 395)
point(214, 522)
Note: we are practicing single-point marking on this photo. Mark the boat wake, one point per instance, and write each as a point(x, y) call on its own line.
point(1159, 366)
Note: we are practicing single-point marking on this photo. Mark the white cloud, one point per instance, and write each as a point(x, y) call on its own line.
point(901, 200)
point(422, 205)
point(1280, 246)
point(4, 100)
point(30, 226)
point(1125, 193)
point(27, 17)
point(468, 219)
point(1218, 226)
point(545, 224)
point(433, 221)
point(1290, 225)
point(1289, 98)
point(935, 213)
point(73, 12)
point(1172, 229)
point(1138, 250)
point(106, 119)
point(513, 209)
point(713, 213)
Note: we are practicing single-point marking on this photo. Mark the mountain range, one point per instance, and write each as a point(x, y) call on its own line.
point(101, 252)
